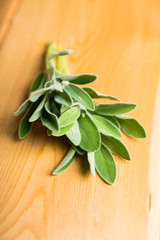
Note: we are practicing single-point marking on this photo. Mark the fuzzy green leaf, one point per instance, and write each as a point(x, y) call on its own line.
point(36, 94)
point(90, 136)
point(65, 163)
point(113, 109)
point(131, 127)
point(81, 96)
point(74, 134)
point(49, 119)
point(63, 130)
point(116, 146)
point(69, 116)
point(79, 78)
point(25, 125)
point(94, 94)
point(105, 126)
point(22, 108)
point(38, 82)
point(113, 120)
point(79, 150)
point(63, 98)
point(90, 156)
point(61, 53)
point(37, 113)
point(105, 164)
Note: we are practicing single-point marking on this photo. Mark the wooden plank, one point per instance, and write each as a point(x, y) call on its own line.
point(7, 10)
point(119, 41)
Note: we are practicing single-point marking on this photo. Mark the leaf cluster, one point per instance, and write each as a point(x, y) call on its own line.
point(64, 108)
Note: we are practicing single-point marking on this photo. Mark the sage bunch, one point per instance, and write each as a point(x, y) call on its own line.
point(64, 108)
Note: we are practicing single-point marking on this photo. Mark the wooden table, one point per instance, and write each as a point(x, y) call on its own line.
point(119, 41)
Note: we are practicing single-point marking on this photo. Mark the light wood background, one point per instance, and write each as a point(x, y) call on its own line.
point(119, 41)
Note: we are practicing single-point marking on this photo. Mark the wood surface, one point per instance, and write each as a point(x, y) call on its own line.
point(119, 41)
point(7, 13)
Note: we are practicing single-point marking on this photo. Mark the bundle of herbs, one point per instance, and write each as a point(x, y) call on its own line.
point(64, 108)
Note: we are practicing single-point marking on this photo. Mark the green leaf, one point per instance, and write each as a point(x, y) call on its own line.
point(105, 164)
point(37, 113)
point(79, 150)
point(63, 109)
point(25, 125)
point(36, 94)
point(67, 160)
point(116, 146)
point(74, 134)
point(131, 127)
point(63, 130)
point(90, 136)
point(22, 108)
point(94, 94)
point(58, 86)
point(81, 96)
point(115, 108)
point(63, 98)
point(53, 107)
point(61, 53)
point(50, 76)
point(38, 82)
point(90, 156)
point(69, 116)
point(79, 78)
point(49, 132)
point(49, 119)
point(105, 126)
point(113, 120)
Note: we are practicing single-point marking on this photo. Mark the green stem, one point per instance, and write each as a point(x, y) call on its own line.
point(51, 49)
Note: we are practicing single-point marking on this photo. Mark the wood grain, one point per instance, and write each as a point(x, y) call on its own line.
point(119, 41)
point(7, 11)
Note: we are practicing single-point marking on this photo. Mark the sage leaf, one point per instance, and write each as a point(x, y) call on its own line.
point(57, 86)
point(81, 96)
point(53, 107)
point(63, 98)
point(131, 127)
point(105, 126)
point(49, 132)
point(38, 93)
point(74, 134)
point(63, 130)
point(113, 120)
point(25, 125)
point(49, 119)
point(94, 94)
point(22, 108)
point(63, 108)
point(61, 53)
point(79, 150)
point(69, 116)
point(37, 113)
point(38, 82)
point(113, 109)
point(79, 78)
point(66, 162)
point(90, 156)
point(116, 146)
point(90, 136)
point(105, 164)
